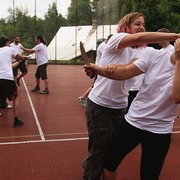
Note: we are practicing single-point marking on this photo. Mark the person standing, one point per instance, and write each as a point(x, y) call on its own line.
point(166, 44)
point(149, 121)
point(8, 86)
point(22, 66)
point(107, 101)
point(100, 46)
point(42, 61)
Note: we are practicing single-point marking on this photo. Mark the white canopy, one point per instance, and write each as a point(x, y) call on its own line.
point(65, 45)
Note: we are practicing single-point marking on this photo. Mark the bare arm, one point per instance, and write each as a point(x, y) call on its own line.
point(28, 50)
point(120, 72)
point(15, 64)
point(147, 37)
point(176, 80)
point(18, 56)
point(17, 60)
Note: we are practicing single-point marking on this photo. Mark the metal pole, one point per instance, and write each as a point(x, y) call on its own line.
point(14, 29)
point(110, 17)
point(76, 34)
point(119, 4)
point(97, 21)
point(103, 24)
point(56, 32)
point(35, 18)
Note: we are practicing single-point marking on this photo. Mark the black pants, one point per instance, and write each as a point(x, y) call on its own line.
point(102, 123)
point(154, 150)
point(132, 95)
point(3, 103)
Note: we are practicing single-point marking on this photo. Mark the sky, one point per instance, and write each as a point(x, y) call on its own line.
point(41, 6)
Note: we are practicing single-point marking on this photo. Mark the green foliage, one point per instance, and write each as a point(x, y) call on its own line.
point(157, 13)
point(20, 23)
point(53, 21)
point(80, 13)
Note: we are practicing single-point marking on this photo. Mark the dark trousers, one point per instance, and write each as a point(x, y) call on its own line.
point(132, 95)
point(102, 122)
point(154, 150)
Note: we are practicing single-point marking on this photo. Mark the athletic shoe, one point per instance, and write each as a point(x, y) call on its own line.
point(17, 123)
point(36, 89)
point(44, 92)
point(0, 114)
point(18, 82)
point(9, 107)
point(82, 101)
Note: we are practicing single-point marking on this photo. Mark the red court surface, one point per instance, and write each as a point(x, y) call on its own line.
point(53, 140)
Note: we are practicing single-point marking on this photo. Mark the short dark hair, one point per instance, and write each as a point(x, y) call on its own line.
point(3, 41)
point(166, 30)
point(16, 36)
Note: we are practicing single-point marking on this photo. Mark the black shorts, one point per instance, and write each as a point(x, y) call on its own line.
point(41, 72)
point(22, 67)
point(8, 90)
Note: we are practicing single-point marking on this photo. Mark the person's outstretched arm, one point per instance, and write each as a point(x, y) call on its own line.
point(28, 50)
point(114, 71)
point(147, 37)
point(176, 80)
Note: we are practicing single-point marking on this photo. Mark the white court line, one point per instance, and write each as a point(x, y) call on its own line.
point(41, 132)
point(40, 141)
point(34, 112)
point(176, 132)
point(55, 140)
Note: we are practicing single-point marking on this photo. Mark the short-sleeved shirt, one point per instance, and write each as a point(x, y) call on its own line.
point(6, 55)
point(17, 48)
point(107, 92)
point(169, 48)
point(41, 54)
point(153, 108)
point(99, 52)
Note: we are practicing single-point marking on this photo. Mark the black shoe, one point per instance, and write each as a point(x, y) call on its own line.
point(18, 82)
point(17, 123)
point(36, 89)
point(44, 92)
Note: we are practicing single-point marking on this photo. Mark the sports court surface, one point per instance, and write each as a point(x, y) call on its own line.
point(53, 140)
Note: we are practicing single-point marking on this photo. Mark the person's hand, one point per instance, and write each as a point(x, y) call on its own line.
point(89, 69)
point(177, 49)
point(24, 58)
point(110, 68)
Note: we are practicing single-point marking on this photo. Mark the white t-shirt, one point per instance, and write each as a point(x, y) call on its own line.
point(107, 92)
point(41, 54)
point(99, 52)
point(169, 48)
point(6, 55)
point(139, 78)
point(153, 109)
point(17, 47)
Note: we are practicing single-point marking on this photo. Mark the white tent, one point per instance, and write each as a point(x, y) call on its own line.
point(65, 45)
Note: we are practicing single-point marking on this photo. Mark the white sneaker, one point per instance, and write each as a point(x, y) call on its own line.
point(82, 101)
point(0, 114)
point(8, 107)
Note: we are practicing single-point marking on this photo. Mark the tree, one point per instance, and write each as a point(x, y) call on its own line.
point(157, 13)
point(53, 21)
point(80, 13)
